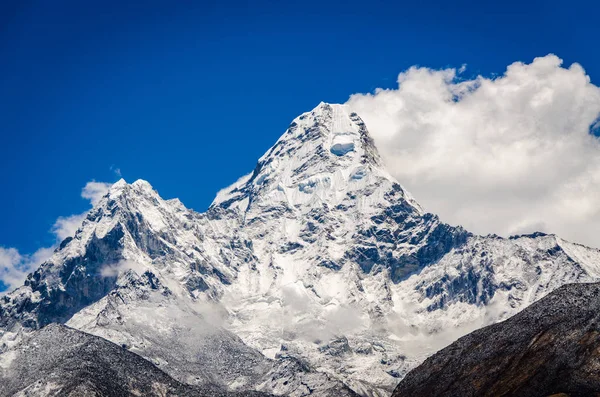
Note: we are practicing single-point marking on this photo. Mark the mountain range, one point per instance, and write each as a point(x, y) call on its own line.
point(315, 274)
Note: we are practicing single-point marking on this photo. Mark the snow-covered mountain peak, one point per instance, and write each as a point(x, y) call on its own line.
point(118, 184)
point(125, 205)
point(339, 130)
point(139, 187)
point(324, 157)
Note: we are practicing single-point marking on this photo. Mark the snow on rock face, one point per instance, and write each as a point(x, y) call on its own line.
point(130, 228)
point(317, 267)
point(312, 162)
point(343, 250)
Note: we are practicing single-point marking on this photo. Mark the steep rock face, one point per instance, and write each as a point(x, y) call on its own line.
point(315, 271)
point(550, 348)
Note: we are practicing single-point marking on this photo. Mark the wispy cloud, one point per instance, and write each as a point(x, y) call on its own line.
point(14, 267)
point(114, 269)
point(94, 191)
point(116, 170)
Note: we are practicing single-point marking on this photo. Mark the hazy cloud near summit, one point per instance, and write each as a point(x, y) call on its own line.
point(506, 155)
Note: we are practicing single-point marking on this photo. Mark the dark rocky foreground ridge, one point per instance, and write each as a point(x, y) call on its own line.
point(60, 361)
point(552, 348)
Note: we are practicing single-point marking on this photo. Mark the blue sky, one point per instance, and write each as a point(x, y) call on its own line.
point(188, 96)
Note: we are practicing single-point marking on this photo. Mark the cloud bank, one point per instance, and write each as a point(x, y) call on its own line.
point(507, 155)
point(14, 266)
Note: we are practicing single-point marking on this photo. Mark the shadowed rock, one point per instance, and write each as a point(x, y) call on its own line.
point(550, 348)
point(61, 361)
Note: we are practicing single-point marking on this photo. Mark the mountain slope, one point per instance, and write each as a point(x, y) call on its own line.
point(60, 361)
point(315, 273)
point(550, 348)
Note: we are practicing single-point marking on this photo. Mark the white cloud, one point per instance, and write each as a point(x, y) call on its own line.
point(94, 191)
point(502, 155)
point(14, 266)
point(66, 226)
point(10, 272)
point(114, 269)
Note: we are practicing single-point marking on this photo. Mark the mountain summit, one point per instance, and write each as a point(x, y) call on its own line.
point(315, 274)
point(323, 155)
